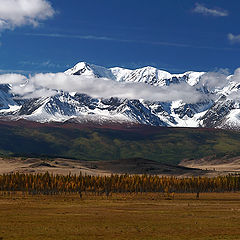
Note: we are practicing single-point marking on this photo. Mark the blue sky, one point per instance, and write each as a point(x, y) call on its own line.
point(174, 35)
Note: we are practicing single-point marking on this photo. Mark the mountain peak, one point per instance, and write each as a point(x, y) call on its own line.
point(79, 69)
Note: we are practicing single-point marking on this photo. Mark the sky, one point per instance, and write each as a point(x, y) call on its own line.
point(39, 36)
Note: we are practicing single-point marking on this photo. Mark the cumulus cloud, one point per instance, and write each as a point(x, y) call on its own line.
point(16, 13)
point(44, 85)
point(234, 38)
point(215, 12)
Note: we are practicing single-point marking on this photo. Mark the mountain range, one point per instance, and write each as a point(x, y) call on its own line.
point(218, 107)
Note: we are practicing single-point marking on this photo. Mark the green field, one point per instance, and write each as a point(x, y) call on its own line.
point(142, 216)
point(169, 145)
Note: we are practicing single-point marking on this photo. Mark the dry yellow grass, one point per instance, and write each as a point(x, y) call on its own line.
point(143, 216)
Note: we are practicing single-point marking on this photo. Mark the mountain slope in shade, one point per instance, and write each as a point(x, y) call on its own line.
point(219, 108)
point(7, 103)
point(115, 141)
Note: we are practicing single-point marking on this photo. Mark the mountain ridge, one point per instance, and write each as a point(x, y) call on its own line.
point(219, 108)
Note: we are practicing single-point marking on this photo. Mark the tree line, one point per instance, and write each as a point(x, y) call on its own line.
point(57, 184)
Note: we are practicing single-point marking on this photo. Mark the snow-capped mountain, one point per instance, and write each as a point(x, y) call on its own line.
point(219, 106)
point(148, 75)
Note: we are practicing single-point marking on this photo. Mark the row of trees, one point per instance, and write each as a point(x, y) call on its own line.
point(57, 184)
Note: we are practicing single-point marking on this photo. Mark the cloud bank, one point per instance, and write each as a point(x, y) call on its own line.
point(49, 84)
point(215, 12)
point(16, 13)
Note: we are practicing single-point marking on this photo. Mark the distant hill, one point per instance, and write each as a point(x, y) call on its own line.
point(115, 141)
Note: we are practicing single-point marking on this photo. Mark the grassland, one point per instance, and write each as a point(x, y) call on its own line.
point(143, 216)
point(75, 141)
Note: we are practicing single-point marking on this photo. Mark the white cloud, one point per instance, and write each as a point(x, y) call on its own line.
point(237, 73)
point(219, 83)
point(235, 95)
point(236, 76)
point(49, 84)
point(215, 12)
point(234, 38)
point(16, 13)
point(214, 80)
point(84, 37)
point(12, 78)
point(44, 85)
